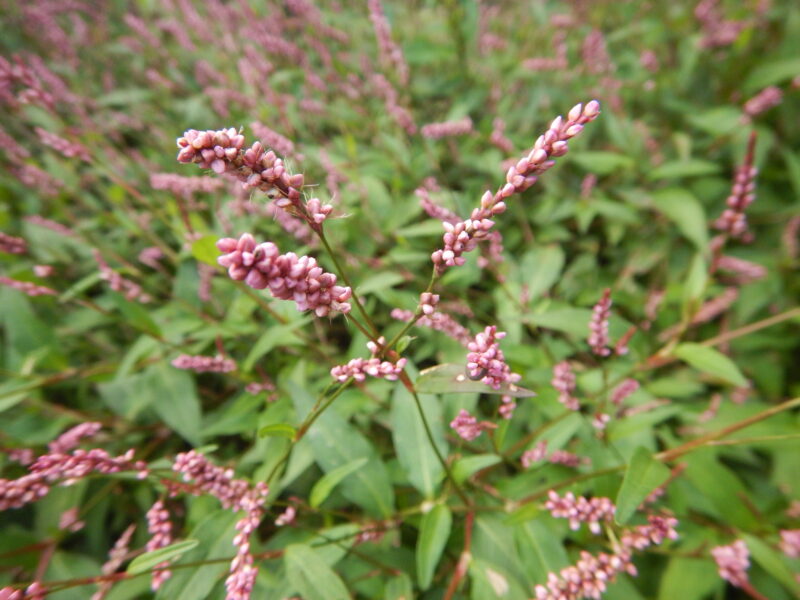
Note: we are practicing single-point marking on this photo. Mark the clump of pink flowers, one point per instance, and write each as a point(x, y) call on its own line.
point(598, 326)
point(579, 510)
point(564, 382)
point(159, 527)
point(733, 561)
point(12, 245)
point(435, 131)
point(468, 427)
point(487, 362)
point(287, 276)
point(205, 364)
point(359, 368)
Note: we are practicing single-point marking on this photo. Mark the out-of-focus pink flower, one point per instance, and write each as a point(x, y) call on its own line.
point(159, 527)
point(733, 220)
point(598, 326)
point(435, 131)
point(564, 382)
point(12, 245)
point(468, 427)
point(765, 99)
point(790, 542)
point(205, 364)
point(72, 437)
point(116, 557)
point(27, 287)
point(438, 321)
point(535, 454)
point(63, 146)
point(623, 390)
point(733, 561)
point(390, 52)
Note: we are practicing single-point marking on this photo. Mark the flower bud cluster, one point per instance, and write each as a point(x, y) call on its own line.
point(733, 561)
point(287, 276)
point(564, 382)
point(733, 220)
point(590, 576)
point(468, 427)
point(64, 147)
point(205, 364)
point(767, 98)
point(359, 368)
point(130, 289)
point(580, 510)
point(223, 151)
point(623, 390)
point(159, 527)
point(790, 542)
point(26, 287)
point(464, 236)
point(598, 326)
point(435, 131)
point(390, 52)
point(237, 495)
point(487, 362)
point(66, 468)
point(12, 245)
point(184, 186)
point(72, 437)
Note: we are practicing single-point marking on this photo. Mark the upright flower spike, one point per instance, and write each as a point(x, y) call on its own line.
point(464, 236)
point(598, 326)
point(733, 220)
point(287, 276)
point(223, 151)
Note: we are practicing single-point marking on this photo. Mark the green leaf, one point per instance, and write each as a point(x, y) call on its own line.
point(277, 430)
point(717, 121)
point(147, 561)
point(277, 335)
point(695, 283)
point(541, 269)
point(772, 562)
point(464, 468)
point(215, 533)
point(711, 361)
point(434, 531)
point(683, 168)
point(136, 315)
point(452, 379)
point(771, 72)
point(325, 485)
point(414, 451)
point(176, 400)
point(688, 579)
point(334, 443)
point(399, 588)
point(574, 321)
point(602, 163)
point(541, 550)
point(643, 475)
point(205, 250)
point(309, 574)
point(379, 282)
point(683, 209)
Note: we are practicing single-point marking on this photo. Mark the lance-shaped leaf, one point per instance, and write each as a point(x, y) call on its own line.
point(453, 379)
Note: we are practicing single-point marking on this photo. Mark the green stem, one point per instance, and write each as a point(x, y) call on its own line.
point(429, 434)
point(346, 279)
point(417, 315)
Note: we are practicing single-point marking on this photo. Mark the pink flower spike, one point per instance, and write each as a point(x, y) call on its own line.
point(564, 382)
point(486, 362)
point(468, 427)
point(598, 326)
point(733, 561)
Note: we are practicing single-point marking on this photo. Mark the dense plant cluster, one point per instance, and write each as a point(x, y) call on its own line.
point(387, 326)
